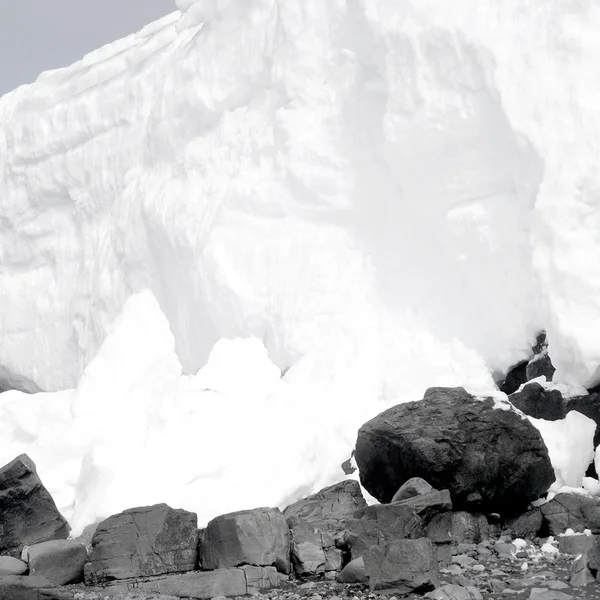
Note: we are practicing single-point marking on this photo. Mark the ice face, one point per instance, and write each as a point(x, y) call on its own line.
point(389, 196)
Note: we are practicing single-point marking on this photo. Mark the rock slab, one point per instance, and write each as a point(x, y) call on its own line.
point(14, 587)
point(142, 542)
point(60, 561)
point(235, 581)
point(258, 537)
point(28, 514)
point(490, 459)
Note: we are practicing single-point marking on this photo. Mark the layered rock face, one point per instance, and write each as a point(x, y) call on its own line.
point(490, 459)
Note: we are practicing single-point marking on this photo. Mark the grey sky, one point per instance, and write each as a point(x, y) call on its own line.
point(37, 35)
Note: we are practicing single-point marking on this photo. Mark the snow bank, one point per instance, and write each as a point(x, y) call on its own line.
point(136, 431)
point(570, 443)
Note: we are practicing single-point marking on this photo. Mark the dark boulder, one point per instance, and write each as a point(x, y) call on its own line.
point(490, 459)
point(539, 403)
point(28, 514)
point(142, 542)
point(515, 378)
point(590, 407)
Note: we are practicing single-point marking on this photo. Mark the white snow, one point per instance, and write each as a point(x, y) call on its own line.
point(570, 443)
point(373, 197)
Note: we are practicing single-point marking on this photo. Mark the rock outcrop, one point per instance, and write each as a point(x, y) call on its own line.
point(489, 457)
point(28, 514)
point(142, 542)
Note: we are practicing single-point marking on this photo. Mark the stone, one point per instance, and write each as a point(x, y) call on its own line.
point(439, 528)
point(525, 526)
point(546, 594)
point(397, 520)
point(540, 403)
point(515, 378)
point(315, 521)
point(258, 537)
point(490, 460)
point(353, 572)
point(332, 505)
point(455, 592)
point(429, 504)
point(60, 561)
point(308, 549)
point(27, 587)
point(142, 542)
point(571, 511)
point(12, 566)
point(413, 487)
point(469, 528)
point(402, 566)
point(589, 406)
point(575, 544)
point(28, 514)
point(235, 581)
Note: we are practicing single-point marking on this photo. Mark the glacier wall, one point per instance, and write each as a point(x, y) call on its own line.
point(403, 190)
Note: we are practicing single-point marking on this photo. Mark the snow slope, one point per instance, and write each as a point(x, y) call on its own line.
point(389, 196)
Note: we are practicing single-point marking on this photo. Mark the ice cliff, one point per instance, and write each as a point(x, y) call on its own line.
point(388, 195)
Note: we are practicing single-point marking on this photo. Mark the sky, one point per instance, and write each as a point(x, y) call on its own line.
point(38, 35)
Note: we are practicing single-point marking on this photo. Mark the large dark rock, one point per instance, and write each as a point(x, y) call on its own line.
point(590, 407)
point(571, 511)
point(402, 566)
point(539, 403)
point(491, 460)
point(258, 537)
point(316, 521)
point(60, 561)
point(14, 587)
point(515, 378)
point(28, 514)
point(141, 542)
